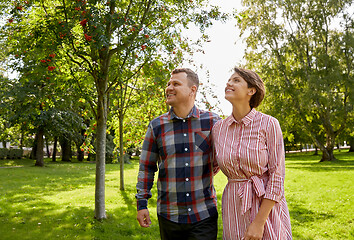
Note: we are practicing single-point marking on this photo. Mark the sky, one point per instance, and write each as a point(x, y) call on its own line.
point(224, 51)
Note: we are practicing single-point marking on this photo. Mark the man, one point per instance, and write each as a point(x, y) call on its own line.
point(178, 143)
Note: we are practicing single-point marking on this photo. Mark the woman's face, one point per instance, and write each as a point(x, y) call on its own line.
point(237, 89)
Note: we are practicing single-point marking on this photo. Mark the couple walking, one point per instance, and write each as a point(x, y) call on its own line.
point(188, 146)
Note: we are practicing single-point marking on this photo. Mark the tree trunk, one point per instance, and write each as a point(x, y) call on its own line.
point(121, 152)
point(316, 151)
point(65, 149)
point(47, 147)
point(54, 154)
point(34, 148)
point(327, 152)
point(4, 144)
point(21, 140)
point(327, 155)
point(351, 144)
point(100, 212)
point(351, 149)
point(39, 150)
point(80, 154)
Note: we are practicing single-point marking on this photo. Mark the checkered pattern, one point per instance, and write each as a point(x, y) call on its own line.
point(181, 150)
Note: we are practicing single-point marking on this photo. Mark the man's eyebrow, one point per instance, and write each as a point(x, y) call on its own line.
point(174, 80)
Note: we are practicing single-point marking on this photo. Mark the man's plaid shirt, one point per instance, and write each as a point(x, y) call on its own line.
point(182, 151)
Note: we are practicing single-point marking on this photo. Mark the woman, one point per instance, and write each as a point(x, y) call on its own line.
point(250, 152)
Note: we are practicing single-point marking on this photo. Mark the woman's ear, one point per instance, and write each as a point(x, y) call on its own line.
point(252, 91)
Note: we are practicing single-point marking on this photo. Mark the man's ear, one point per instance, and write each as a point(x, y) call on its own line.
point(194, 90)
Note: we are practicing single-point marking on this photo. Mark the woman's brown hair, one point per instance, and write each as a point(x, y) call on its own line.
point(253, 80)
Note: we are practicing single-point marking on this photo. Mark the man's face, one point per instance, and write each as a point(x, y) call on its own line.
point(178, 91)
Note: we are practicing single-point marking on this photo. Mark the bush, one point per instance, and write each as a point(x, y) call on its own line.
point(3, 153)
point(11, 153)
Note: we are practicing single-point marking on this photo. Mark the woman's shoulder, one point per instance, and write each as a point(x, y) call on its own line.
point(268, 118)
point(221, 122)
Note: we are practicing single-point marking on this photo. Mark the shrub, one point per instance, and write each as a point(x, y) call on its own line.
point(11, 153)
point(3, 153)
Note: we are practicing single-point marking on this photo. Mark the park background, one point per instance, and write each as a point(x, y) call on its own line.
point(80, 80)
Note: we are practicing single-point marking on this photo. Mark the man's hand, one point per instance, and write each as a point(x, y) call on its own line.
point(143, 218)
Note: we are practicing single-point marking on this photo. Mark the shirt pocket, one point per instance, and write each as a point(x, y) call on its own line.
point(202, 141)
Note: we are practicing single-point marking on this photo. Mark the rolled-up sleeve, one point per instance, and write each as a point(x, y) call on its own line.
point(147, 168)
point(276, 162)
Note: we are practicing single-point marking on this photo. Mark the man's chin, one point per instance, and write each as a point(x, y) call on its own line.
point(170, 102)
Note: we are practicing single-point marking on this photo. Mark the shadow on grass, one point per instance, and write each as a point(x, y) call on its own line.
point(121, 222)
point(310, 162)
point(33, 223)
point(302, 216)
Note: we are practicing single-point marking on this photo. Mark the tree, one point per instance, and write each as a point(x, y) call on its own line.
point(111, 41)
point(306, 62)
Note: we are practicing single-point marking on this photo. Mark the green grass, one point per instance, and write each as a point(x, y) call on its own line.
point(320, 196)
point(57, 201)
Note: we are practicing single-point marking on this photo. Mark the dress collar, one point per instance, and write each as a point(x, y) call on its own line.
point(245, 120)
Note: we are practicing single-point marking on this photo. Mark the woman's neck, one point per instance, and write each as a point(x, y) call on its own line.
point(239, 111)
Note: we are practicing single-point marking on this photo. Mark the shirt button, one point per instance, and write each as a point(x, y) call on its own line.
point(186, 149)
point(185, 134)
point(187, 194)
point(189, 209)
point(187, 179)
point(187, 164)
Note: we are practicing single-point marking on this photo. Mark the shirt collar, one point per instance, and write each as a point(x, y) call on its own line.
point(245, 120)
point(195, 113)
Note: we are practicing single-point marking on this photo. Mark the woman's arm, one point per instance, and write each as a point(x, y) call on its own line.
point(275, 185)
point(256, 228)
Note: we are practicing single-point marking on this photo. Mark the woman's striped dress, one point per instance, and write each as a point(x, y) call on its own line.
point(251, 154)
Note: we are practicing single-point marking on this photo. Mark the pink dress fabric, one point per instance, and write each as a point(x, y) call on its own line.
point(251, 154)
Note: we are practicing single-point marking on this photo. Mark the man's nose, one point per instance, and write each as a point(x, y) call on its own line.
point(169, 87)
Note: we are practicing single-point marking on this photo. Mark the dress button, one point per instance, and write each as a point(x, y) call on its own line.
point(184, 120)
point(187, 164)
point(187, 179)
point(189, 209)
point(186, 149)
point(185, 134)
point(187, 194)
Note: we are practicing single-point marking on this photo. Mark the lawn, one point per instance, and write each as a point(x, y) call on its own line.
point(57, 201)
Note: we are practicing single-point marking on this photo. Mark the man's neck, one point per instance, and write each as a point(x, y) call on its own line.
point(183, 111)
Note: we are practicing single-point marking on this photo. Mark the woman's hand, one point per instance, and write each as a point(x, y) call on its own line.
point(256, 228)
point(254, 231)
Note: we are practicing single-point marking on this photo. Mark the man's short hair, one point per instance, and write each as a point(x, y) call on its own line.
point(191, 76)
point(253, 80)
